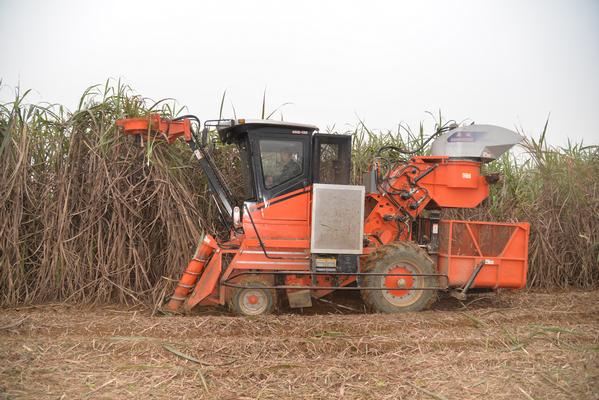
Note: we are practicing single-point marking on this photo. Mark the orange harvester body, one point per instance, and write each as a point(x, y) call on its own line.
point(273, 245)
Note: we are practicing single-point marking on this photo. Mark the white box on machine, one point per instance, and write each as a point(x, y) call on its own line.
point(337, 219)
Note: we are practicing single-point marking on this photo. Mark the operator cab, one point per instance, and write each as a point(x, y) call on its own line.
point(281, 157)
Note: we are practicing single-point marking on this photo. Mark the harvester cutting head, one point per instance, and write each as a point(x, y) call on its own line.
point(153, 127)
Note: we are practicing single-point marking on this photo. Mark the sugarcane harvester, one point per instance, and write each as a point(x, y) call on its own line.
point(303, 231)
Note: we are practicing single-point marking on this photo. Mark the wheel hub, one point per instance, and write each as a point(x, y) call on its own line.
point(398, 292)
point(253, 299)
point(394, 282)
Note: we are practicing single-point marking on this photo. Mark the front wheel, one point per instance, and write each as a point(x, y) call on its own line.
point(397, 295)
point(253, 300)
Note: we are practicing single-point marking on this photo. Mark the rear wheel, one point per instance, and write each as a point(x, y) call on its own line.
point(399, 258)
point(254, 300)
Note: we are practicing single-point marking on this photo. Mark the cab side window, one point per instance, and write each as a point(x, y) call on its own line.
point(282, 160)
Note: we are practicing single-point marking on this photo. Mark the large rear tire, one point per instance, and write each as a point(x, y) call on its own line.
point(399, 257)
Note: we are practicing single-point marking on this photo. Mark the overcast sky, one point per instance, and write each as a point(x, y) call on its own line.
point(508, 63)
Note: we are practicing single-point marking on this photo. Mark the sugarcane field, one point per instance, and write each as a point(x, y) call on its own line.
point(237, 212)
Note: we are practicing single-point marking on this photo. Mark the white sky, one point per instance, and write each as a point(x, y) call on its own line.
point(509, 63)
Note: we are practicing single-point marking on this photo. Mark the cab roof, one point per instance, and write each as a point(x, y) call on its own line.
point(236, 128)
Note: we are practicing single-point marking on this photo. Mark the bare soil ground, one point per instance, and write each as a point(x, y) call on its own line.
point(527, 345)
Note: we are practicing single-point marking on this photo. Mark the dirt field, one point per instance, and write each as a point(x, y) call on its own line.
point(511, 345)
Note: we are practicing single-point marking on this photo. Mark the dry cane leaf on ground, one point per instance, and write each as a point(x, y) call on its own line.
point(544, 344)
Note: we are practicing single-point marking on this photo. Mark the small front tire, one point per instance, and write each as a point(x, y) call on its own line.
point(253, 300)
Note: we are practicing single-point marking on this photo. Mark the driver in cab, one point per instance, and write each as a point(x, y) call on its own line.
point(290, 169)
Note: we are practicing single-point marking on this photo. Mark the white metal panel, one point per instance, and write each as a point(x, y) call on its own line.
point(487, 142)
point(337, 219)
